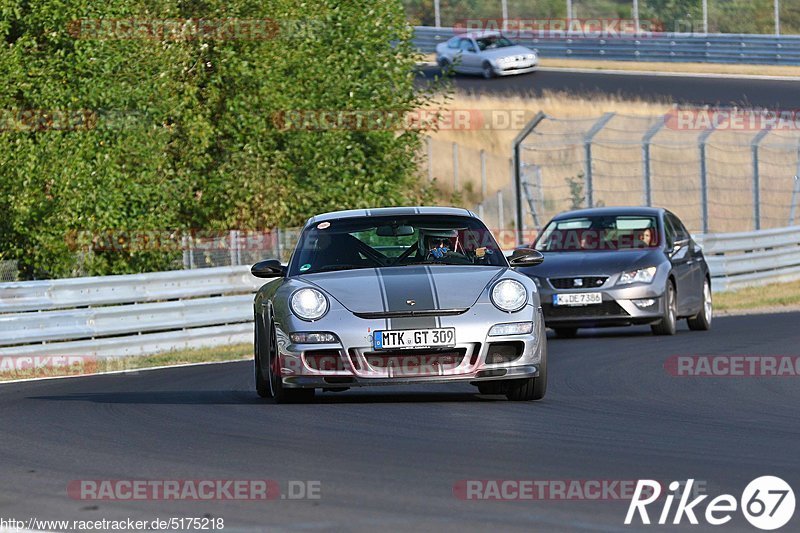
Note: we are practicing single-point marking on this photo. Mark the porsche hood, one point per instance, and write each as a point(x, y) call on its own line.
point(406, 289)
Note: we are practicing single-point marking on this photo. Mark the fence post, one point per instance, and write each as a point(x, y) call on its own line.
point(232, 246)
point(777, 7)
point(517, 169)
point(430, 159)
point(795, 187)
point(587, 143)
point(504, 7)
point(704, 176)
point(480, 210)
point(455, 167)
point(187, 264)
point(501, 219)
point(636, 16)
point(483, 176)
point(437, 14)
point(647, 186)
point(757, 178)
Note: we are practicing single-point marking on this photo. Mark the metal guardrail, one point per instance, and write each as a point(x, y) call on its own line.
point(739, 260)
point(661, 47)
point(116, 316)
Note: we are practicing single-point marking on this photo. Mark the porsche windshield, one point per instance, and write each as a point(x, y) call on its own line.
point(599, 233)
point(374, 242)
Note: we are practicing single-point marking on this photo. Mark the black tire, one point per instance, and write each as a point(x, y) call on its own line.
point(566, 333)
point(702, 320)
point(278, 391)
point(487, 71)
point(530, 389)
point(668, 325)
point(445, 66)
point(262, 384)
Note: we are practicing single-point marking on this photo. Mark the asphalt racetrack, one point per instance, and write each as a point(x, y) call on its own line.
point(390, 458)
point(712, 91)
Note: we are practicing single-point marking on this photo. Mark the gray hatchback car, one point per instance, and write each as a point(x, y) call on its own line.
point(618, 266)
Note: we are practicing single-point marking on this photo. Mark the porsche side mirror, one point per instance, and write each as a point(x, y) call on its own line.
point(525, 257)
point(271, 268)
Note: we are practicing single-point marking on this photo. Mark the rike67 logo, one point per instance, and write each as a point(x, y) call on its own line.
point(767, 503)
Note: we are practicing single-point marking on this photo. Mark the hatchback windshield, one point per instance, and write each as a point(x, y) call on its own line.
point(374, 242)
point(599, 233)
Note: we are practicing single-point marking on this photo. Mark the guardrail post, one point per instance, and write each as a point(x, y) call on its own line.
point(704, 176)
point(757, 178)
point(517, 166)
point(437, 14)
point(587, 143)
point(648, 190)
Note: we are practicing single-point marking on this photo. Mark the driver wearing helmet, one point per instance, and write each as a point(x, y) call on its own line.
point(437, 244)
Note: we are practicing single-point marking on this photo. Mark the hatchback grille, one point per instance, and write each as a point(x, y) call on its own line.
point(578, 282)
point(604, 309)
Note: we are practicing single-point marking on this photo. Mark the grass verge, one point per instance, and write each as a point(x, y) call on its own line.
point(13, 368)
point(777, 296)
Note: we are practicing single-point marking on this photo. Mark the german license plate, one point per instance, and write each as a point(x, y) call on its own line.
point(413, 338)
point(578, 298)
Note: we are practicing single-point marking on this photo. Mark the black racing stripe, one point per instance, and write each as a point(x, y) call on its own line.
point(383, 297)
point(435, 293)
point(409, 283)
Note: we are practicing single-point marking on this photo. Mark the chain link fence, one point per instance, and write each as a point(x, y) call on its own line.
point(681, 16)
point(716, 179)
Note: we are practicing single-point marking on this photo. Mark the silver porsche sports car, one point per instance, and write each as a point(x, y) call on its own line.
point(396, 296)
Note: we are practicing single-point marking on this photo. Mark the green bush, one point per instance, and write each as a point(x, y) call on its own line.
point(180, 134)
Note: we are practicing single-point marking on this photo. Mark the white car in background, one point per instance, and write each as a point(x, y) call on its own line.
point(487, 53)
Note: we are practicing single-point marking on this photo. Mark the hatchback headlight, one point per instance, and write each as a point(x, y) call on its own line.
point(643, 275)
point(309, 304)
point(509, 295)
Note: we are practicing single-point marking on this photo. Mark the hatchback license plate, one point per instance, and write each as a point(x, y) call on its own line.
point(578, 298)
point(413, 338)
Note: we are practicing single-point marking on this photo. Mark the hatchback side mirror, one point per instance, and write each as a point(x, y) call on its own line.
point(525, 257)
point(271, 268)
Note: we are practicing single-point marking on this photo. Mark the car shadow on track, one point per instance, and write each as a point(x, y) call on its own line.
point(250, 398)
point(225, 397)
point(611, 333)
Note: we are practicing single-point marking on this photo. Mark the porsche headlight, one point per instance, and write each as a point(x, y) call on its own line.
point(643, 275)
point(509, 295)
point(309, 304)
